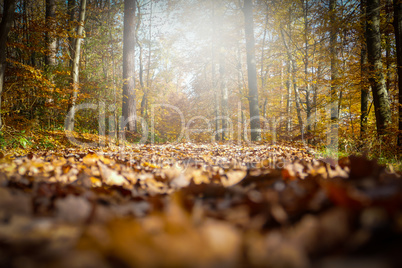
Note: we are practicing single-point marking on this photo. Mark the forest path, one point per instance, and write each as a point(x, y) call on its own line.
point(197, 205)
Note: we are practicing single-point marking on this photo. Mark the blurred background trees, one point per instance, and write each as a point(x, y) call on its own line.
point(317, 64)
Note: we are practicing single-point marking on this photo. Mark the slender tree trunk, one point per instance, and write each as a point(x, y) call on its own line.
point(149, 82)
point(144, 99)
point(282, 101)
point(306, 64)
point(376, 78)
point(213, 84)
point(141, 72)
point(293, 69)
point(50, 58)
point(71, 15)
point(213, 76)
point(129, 105)
point(288, 98)
point(5, 26)
point(217, 137)
point(28, 8)
point(315, 89)
point(388, 6)
point(218, 18)
point(264, 108)
point(334, 75)
point(252, 71)
point(149, 48)
point(363, 74)
point(262, 64)
point(398, 37)
point(141, 65)
point(240, 86)
point(224, 93)
point(243, 118)
point(315, 95)
point(51, 44)
point(297, 98)
point(115, 125)
point(76, 66)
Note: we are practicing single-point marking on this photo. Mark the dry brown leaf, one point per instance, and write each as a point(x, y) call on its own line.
point(112, 177)
point(233, 177)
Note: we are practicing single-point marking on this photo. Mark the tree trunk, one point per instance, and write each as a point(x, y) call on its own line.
point(213, 76)
point(388, 15)
point(288, 99)
point(71, 15)
point(76, 66)
point(224, 100)
point(262, 64)
point(297, 98)
point(334, 75)
point(398, 37)
point(293, 68)
point(251, 71)
point(223, 78)
point(27, 8)
point(114, 126)
point(306, 64)
point(5, 25)
point(376, 76)
point(144, 100)
point(363, 74)
point(149, 48)
point(50, 58)
point(318, 77)
point(51, 46)
point(129, 105)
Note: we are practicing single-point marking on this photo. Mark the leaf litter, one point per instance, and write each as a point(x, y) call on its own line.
point(198, 205)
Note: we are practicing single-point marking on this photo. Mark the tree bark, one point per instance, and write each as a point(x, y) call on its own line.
point(251, 71)
point(5, 26)
point(334, 75)
point(50, 58)
point(113, 126)
point(297, 98)
point(71, 15)
point(388, 6)
point(363, 74)
point(129, 105)
point(149, 48)
point(144, 100)
point(76, 66)
point(306, 64)
point(398, 38)
point(288, 98)
point(376, 76)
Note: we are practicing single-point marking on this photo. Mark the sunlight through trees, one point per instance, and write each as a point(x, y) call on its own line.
point(322, 72)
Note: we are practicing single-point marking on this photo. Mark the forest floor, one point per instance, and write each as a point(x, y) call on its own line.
point(197, 205)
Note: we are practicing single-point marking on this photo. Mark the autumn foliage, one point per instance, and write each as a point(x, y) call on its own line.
point(193, 205)
point(248, 134)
